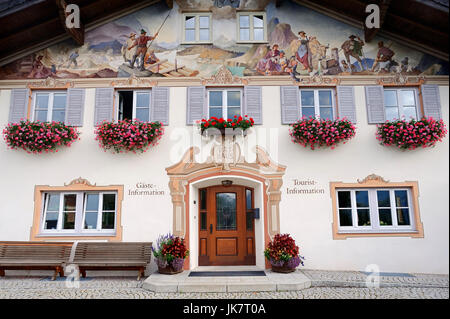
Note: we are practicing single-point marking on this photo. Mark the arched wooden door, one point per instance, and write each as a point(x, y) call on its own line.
point(226, 226)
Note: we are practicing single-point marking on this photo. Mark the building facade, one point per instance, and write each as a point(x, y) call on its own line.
point(357, 205)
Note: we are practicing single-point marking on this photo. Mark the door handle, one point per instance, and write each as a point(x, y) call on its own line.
point(210, 228)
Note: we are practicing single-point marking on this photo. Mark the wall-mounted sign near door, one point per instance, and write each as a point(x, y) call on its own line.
point(146, 189)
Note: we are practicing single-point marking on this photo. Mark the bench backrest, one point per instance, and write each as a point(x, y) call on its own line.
point(59, 252)
point(111, 251)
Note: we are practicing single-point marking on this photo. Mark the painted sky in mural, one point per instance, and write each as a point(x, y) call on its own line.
point(300, 42)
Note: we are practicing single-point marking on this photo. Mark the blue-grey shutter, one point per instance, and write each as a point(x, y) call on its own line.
point(75, 107)
point(375, 104)
point(346, 102)
point(253, 103)
point(104, 99)
point(18, 105)
point(196, 104)
point(159, 109)
point(431, 101)
point(290, 104)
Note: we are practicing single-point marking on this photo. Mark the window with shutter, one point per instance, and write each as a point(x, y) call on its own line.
point(253, 103)
point(401, 103)
point(225, 103)
point(18, 105)
point(75, 107)
point(375, 104)
point(160, 105)
point(196, 104)
point(346, 102)
point(431, 101)
point(290, 104)
point(49, 106)
point(104, 99)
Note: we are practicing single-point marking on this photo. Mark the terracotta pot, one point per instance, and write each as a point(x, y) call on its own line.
point(284, 269)
point(168, 270)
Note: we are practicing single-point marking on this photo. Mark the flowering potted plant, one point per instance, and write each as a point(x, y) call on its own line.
point(238, 122)
point(170, 253)
point(128, 136)
point(321, 133)
point(283, 254)
point(409, 135)
point(37, 137)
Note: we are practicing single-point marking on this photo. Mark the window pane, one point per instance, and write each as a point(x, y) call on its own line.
point(40, 116)
point(403, 217)
point(408, 97)
point(204, 22)
point(234, 98)
point(307, 98)
point(401, 198)
point(92, 202)
point(108, 220)
point(59, 100)
point(215, 98)
point(249, 220)
point(51, 220)
point(216, 112)
point(326, 113)
point(190, 23)
point(190, 35)
point(233, 111)
point(409, 112)
point(204, 34)
point(142, 114)
point(142, 99)
point(59, 115)
point(258, 34)
point(258, 21)
point(226, 211)
point(70, 202)
point(325, 98)
point(53, 203)
point(248, 196)
point(69, 220)
point(383, 199)
point(90, 220)
point(109, 202)
point(203, 199)
point(42, 101)
point(244, 34)
point(203, 222)
point(308, 112)
point(390, 98)
point(392, 113)
point(362, 198)
point(385, 217)
point(344, 199)
point(244, 21)
point(363, 217)
point(345, 217)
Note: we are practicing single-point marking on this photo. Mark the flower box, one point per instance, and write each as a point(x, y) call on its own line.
point(409, 135)
point(321, 133)
point(128, 136)
point(38, 137)
point(283, 254)
point(219, 126)
point(170, 253)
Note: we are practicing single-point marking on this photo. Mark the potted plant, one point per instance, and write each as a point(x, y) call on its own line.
point(283, 254)
point(321, 133)
point(228, 126)
point(38, 137)
point(170, 253)
point(409, 135)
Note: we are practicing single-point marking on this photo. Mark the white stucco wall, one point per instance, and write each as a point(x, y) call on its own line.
point(307, 217)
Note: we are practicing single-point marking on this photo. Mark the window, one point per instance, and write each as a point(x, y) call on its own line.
point(134, 105)
point(79, 212)
point(401, 104)
point(197, 28)
point(224, 103)
point(317, 103)
point(252, 27)
point(49, 106)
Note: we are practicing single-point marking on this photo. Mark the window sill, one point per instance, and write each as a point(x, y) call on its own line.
point(103, 234)
point(397, 233)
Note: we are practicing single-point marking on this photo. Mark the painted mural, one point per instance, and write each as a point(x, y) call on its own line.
point(148, 43)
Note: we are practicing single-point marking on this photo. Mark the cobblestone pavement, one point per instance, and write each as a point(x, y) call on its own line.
point(326, 284)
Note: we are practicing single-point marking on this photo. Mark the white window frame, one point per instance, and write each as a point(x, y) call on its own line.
point(225, 100)
point(316, 101)
point(400, 105)
point(50, 103)
point(197, 16)
point(79, 215)
point(135, 92)
point(375, 226)
point(251, 27)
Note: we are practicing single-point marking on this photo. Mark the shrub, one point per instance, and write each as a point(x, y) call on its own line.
point(411, 134)
point(319, 133)
point(128, 136)
point(37, 137)
point(283, 250)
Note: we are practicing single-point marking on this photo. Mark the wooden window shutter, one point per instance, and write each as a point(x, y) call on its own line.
point(104, 100)
point(290, 104)
point(346, 103)
point(375, 104)
point(159, 109)
point(18, 106)
point(196, 104)
point(253, 103)
point(75, 107)
point(431, 101)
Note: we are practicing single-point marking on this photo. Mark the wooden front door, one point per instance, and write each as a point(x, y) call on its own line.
point(226, 226)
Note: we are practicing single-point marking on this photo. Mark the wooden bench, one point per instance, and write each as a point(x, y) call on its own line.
point(34, 256)
point(112, 256)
